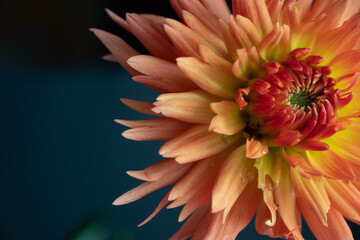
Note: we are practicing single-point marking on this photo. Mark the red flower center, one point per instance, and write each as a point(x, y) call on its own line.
point(293, 102)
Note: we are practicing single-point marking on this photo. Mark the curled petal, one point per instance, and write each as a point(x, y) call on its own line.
point(229, 119)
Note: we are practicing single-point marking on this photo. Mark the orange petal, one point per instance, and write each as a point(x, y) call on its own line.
point(193, 223)
point(217, 81)
point(275, 45)
point(120, 21)
point(156, 171)
point(199, 11)
point(195, 144)
point(157, 44)
point(149, 187)
point(153, 129)
point(256, 11)
point(231, 181)
point(244, 31)
point(140, 106)
point(246, 65)
point(330, 165)
point(216, 43)
point(255, 148)
point(159, 85)
point(345, 63)
point(109, 57)
point(161, 205)
point(285, 138)
point(229, 119)
point(242, 212)
point(159, 68)
point(312, 193)
point(191, 106)
point(286, 202)
point(337, 227)
point(229, 39)
point(120, 49)
point(344, 197)
point(218, 7)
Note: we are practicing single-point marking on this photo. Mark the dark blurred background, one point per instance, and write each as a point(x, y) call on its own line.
point(63, 159)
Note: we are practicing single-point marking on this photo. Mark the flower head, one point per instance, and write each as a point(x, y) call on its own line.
point(259, 111)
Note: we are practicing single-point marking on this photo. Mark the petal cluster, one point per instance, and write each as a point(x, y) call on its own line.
point(258, 108)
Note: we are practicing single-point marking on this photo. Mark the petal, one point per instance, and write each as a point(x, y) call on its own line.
point(337, 227)
point(285, 138)
point(119, 20)
point(312, 193)
point(268, 166)
point(275, 45)
point(159, 68)
point(161, 205)
point(159, 85)
point(153, 129)
point(256, 11)
point(344, 197)
point(149, 187)
point(195, 144)
point(245, 32)
point(214, 41)
point(153, 41)
point(232, 179)
point(255, 148)
point(246, 65)
point(120, 49)
point(156, 171)
point(330, 165)
point(199, 11)
point(285, 199)
point(242, 211)
point(217, 81)
point(218, 7)
point(345, 63)
point(193, 223)
point(229, 119)
point(140, 106)
point(191, 106)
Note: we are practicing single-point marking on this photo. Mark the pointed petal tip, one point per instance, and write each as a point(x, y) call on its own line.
point(94, 30)
point(117, 202)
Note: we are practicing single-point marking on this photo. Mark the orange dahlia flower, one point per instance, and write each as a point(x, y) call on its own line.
point(260, 112)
